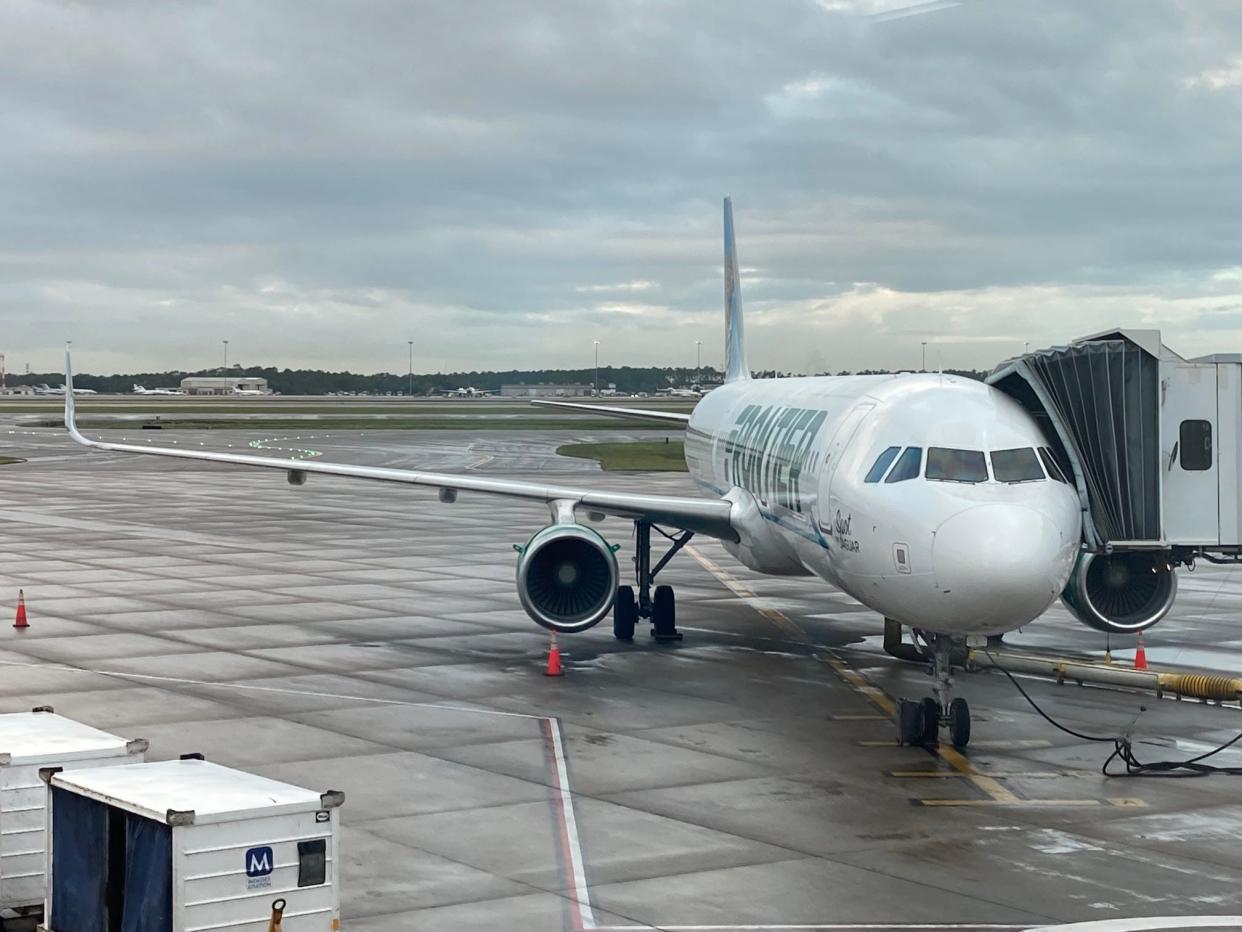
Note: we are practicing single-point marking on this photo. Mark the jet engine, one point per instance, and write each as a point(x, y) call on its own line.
point(567, 577)
point(1122, 592)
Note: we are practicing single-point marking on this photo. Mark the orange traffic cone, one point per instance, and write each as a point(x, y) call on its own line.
point(554, 661)
point(21, 621)
point(1140, 655)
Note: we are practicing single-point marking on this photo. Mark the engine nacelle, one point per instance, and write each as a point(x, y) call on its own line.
point(567, 577)
point(1120, 593)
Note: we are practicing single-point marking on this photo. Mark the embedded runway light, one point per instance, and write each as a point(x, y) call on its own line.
point(448, 496)
point(297, 477)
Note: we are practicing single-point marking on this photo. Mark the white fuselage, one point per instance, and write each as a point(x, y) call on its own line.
point(958, 556)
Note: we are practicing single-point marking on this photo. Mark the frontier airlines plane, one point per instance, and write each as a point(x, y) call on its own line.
point(931, 499)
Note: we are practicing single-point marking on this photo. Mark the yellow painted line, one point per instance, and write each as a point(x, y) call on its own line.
point(989, 785)
point(1015, 802)
point(860, 683)
point(1017, 775)
point(1127, 802)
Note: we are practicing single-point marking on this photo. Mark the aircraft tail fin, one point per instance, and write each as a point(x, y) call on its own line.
point(735, 344)
point(70, 420)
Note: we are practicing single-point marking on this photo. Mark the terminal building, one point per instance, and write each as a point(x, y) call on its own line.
point(544, 391)
point(224, 385)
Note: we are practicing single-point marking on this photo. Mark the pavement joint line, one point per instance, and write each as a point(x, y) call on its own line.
point(578, 897)
point(996, 792)
point(821, 927)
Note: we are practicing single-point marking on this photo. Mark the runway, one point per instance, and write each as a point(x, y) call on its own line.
point(369, 639)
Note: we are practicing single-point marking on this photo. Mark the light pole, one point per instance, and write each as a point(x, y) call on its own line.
point(698, 355)
point(411, 343)
point(595, 384)
point(924, 369)
point(226, 357)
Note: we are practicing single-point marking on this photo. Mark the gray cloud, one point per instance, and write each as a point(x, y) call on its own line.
point(319, 182)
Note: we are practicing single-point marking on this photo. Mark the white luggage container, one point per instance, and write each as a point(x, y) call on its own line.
point(30, 741)
point(186, 844)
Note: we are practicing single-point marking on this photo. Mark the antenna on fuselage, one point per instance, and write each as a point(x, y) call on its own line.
point(735, 346)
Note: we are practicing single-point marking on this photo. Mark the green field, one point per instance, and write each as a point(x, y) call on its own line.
point(10, 460)
point(639, 455)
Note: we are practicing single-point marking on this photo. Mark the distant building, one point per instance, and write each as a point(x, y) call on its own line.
point(544, 391)
point(227, 385)
point(18, 390)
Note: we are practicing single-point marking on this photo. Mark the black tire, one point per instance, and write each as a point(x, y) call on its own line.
point(930, 710)
point(909, 722)
point(664, 612)
point(959, 723)
point(624, 614)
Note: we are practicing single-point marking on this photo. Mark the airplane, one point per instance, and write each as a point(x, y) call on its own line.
point(468, 392)
point(933, 500)
point(692, 392)
point(139, 390)
point(60, 390)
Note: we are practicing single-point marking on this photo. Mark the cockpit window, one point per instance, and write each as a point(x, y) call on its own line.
point(908, 466)
point(946, 465)
point(1020, 465)
point(876, 473)
point(1050, 464)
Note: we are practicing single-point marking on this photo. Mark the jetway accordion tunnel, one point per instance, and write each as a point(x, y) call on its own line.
point(1152, 443)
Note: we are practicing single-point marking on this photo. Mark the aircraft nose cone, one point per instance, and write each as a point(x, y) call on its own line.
point(999, 566)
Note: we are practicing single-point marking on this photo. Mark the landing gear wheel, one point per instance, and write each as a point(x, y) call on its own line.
point(664, 615)
point(930, 710)
point(959, 722)
point(624, 614)
point(909, 722)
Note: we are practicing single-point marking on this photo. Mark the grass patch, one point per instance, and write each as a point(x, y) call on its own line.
point(10, 460)
point(638, 455)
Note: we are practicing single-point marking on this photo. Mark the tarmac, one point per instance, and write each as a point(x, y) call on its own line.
point(367, 638)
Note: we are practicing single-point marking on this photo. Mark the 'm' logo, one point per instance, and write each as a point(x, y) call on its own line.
point(259, 862)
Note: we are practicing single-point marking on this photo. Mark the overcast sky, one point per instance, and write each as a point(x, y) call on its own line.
point(506, 182)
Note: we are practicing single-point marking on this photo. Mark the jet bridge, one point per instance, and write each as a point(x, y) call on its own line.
point(1153, 443)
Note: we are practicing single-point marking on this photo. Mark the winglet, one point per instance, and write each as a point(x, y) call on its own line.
point(735, 347)
point(70, 421)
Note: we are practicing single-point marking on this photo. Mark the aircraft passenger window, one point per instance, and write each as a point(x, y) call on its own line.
point(876, 473)
point(1196, 445)
point(946, 465)
point(1020, 465)
point(1050, 464)
point(908, 466)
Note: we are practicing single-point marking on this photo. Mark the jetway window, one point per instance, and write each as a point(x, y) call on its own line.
point(908, 466)
point(1020, 465)
point(881, 464)
point(1050, 464)
point(948, 465)
point(1196, 445)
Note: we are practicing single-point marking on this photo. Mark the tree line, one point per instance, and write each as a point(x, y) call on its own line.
point(626, 379)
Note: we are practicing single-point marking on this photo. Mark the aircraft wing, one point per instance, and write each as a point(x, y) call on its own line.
point(671, 418)
point(712, 517)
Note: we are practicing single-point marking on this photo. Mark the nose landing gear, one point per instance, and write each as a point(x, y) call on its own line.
point(920, 723)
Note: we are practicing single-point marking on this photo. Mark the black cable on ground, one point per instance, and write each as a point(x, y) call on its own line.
point(1123, 749)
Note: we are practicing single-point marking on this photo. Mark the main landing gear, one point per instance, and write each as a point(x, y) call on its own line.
point(920, 722)
point(660, 608)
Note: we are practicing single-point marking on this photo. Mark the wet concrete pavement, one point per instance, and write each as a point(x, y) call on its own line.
point(352, 635)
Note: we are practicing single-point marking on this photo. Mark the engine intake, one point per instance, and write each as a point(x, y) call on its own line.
point(567, 577)
point(1120, 593)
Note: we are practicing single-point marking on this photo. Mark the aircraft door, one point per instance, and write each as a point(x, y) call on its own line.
point(828, 501)
point(1188, 426)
